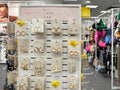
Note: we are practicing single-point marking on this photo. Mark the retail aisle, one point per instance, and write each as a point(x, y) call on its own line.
point(2, 75)
point(96, 81)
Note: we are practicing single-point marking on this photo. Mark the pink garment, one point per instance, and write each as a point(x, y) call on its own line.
point(103, 33)
point(102, 44)
point(97, 35)
point(88, 48)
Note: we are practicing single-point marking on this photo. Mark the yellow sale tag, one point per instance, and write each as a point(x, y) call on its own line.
point(86, 13)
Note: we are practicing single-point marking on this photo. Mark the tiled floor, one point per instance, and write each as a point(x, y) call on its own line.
point(2, 75)
point(96, 81)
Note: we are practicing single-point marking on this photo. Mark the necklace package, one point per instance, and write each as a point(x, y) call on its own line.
point(72, 66)
point(73, 28)
point(39, 83)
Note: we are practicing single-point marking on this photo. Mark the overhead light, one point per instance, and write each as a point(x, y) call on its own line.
point(70, 0)
point(92, 6)
point(87, 1)
point(93, 17)
point(103, 11)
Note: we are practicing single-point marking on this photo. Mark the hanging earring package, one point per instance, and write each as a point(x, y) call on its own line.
point(39, 66)
point(13, 57)
point(23, 82)
point(11, 44)
point(12, 77)
point(56, 46)
point(73, 52)
point(39, 83)
point(25, 63)
point(73, 48)
point(23, 46)
point(72, 82)
point(72, 65)
point(56, 64)
point(10, 27)
point(21, 28)
point(73, 28)
point(38, 26)
point(39, 46)
point(56, 27)
point(20, 31)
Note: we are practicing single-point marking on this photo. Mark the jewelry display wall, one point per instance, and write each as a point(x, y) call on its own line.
point(47, 59)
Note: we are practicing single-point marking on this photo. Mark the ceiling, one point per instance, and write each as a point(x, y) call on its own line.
point(102, 4)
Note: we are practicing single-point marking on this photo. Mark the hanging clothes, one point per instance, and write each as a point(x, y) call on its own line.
point(118, 61)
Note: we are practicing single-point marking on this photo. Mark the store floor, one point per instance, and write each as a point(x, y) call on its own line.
point(96, 81)
point(2, 75)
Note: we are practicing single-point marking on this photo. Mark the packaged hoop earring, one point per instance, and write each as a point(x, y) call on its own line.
point(38, 46)
point(73, 28)
point(53, 67)
point(17, 33)
point(56, 65)
point(58, 68)
point(73, 51)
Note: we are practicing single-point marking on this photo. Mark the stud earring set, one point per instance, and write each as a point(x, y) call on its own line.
point(56, 65)
point(73, 53)
point(20, 33)
point(56, 68)
point(56, 31)
point(56, 49)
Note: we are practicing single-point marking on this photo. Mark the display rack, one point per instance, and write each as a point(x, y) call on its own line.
point(51, 13)
point(111, 15)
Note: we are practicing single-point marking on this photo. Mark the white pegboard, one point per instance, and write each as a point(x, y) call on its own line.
point(48, 55)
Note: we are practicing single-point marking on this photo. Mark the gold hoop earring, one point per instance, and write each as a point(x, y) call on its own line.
point(53, 68)
point(23, 33)
point(17, 33)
